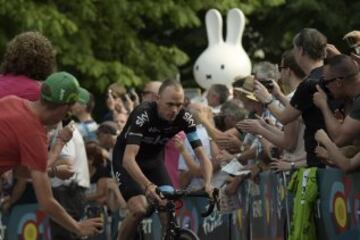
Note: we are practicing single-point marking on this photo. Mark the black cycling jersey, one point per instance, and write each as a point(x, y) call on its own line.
point(145, 128)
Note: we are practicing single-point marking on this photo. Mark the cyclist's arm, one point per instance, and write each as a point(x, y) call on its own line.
point(205, 164)
point(194, 168)
point(131, 166)
point(185, 178)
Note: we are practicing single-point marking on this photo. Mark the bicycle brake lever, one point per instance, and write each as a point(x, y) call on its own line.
point(212, 203)
point(216, 198)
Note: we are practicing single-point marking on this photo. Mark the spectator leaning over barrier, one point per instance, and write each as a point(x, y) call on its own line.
point(291, 138)
point(23, 142)
point(341, 77)
point(190, 176)
point(29, 58)
point(82, 111)
point(70, 193)
point(309, 51)
point(216, 96)
point(22, 191)
point(231, 112)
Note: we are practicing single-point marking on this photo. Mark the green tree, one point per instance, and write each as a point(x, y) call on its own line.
point(136, 41)
point(115, 40)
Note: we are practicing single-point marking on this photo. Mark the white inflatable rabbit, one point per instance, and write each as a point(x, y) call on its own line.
point(222, 62)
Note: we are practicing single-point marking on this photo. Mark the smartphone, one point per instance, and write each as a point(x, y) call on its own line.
point(268, 83)
point(353, 44)
point(275, 153)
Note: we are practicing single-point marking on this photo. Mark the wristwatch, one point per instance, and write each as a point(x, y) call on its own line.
point(266, 104)
point(238, 156)
point(293, 166)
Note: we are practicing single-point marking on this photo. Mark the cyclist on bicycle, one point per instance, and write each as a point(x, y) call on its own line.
point(138, 153)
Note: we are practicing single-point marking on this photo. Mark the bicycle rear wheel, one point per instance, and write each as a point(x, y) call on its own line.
point(186, 234)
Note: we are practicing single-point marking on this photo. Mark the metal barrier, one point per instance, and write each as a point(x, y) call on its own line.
point(262, 213)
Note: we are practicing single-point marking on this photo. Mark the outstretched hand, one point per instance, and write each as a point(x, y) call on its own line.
point(90, 227)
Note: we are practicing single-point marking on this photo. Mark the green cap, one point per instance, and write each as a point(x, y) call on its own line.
point(62, 88)
point(84, 96)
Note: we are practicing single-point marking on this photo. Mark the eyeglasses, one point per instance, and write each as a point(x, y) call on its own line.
point(281, 68)
point(330, 80)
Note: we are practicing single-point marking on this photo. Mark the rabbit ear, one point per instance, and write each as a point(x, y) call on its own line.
point(235, 26)
point(214, 24)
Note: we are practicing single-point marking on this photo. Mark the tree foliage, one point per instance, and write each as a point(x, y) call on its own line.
point(136, 41)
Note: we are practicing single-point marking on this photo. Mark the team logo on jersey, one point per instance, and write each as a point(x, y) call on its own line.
point(189, 119)
point(140, 120)
point(153, 130)
point(117, 178)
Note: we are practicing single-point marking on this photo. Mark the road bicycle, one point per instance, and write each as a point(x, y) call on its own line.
point(173, 196)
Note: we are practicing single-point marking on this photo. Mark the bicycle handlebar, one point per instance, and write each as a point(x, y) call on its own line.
point(178, 194)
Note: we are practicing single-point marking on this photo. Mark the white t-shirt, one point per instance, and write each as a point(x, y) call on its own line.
point(300, 148)
point(197, 182)
point(75, 150)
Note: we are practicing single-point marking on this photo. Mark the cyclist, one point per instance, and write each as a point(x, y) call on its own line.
point(138, 153)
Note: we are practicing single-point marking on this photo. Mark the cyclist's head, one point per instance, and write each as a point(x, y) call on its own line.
point(171, 99)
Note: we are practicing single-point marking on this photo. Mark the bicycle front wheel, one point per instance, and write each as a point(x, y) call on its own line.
point(186, 234)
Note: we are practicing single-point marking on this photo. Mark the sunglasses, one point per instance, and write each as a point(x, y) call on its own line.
point(330, 80)
point(281, 68)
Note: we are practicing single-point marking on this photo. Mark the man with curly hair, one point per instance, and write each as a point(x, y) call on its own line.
point(29, 58)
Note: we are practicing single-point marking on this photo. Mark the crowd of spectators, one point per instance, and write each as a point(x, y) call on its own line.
point(299, 113)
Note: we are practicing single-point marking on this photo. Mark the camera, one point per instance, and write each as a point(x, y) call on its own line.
point(353, 44)
point(268, 83)
point(275, 153)
point(93, 211)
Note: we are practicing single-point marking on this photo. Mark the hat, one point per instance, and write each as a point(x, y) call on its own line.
point(84, 96)
point(62, 88)
point(247, 88)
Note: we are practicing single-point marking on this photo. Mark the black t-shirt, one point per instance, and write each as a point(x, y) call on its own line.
point(312, 116)
point(101, 172)
point(145, 128)
point(355, 109)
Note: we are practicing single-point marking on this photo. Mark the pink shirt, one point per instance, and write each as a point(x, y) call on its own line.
point(172, 160)
point(19, 85)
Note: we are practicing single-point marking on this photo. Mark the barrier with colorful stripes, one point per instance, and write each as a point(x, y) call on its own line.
point(262, 214)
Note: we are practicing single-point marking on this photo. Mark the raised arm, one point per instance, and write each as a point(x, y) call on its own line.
point(57, 212)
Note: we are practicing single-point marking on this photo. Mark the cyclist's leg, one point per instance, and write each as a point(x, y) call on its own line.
point(138, 208)
point(159, 176)
point(136, 204)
